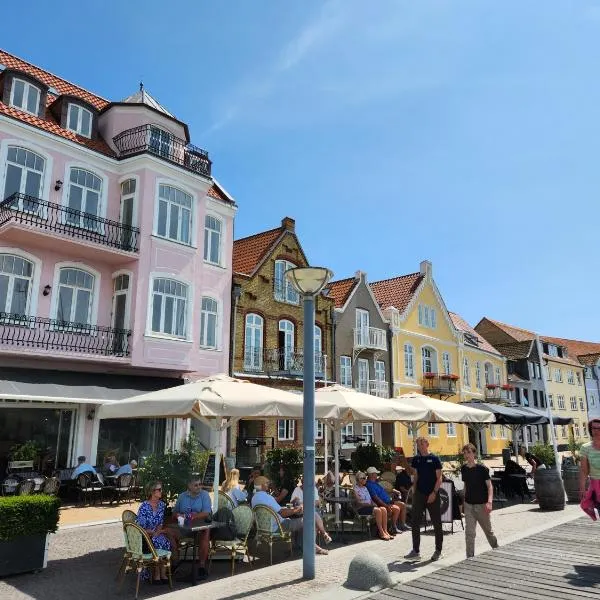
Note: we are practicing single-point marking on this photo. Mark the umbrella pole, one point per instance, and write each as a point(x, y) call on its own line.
point(336, 455)
point(325, 440)
point(219, 432)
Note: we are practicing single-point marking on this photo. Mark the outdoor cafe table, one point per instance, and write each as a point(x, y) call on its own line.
point(193, 531)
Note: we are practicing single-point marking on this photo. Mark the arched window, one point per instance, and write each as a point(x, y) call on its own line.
point(24, 176)
point(446, 363)
point(84, 194)
point(25, 96)
point(409, 361)
point(213, 229)
point(253, 346)
point(284, 290)
point(429, 358)
point(16, 275)
point(466, 372)
point(128, 239)
point(488, 373)
point(286, 343)
point(319, 366)
point(208, 322)
point(169, 307)
point(75, 296)
point(174, 214)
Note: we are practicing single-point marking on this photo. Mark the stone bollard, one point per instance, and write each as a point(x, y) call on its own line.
point(368, 572)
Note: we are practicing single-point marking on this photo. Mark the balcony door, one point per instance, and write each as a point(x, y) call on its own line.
point(127, 211)
point(120, 306)
point(16, 276)
point(24, 175)
point(253, 343)
point(286, 345)
point(363, 375)
point(362, 326)
point(83, 201)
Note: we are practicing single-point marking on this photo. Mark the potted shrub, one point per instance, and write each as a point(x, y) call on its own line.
point(388, 454)
point(365, 456)
point(450, 376)
point(25, 522)
point(507, 387)
point(429, 375)
point(491, 386)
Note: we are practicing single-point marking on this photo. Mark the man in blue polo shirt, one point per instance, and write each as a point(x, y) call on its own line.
point(426, 470)
point(196, 502)
point(395, 509)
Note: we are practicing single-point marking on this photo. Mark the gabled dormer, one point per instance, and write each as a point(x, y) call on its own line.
point(23, 91)
point(76, 115)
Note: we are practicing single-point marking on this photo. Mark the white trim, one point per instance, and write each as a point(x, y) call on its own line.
point(193, 243)
point(229, 196)
point(21, 143)
point(95, 435)
point(136, 198)
point(35, 280)
point(219, 324)
point(363, 280)
point(189, 308)
point(64, 202)
point(127, 299)
point(81, 108)
point(95, 292)
point(430, 347)
point(26, 85)
point(221, 220)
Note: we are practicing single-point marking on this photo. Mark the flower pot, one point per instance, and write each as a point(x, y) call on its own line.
point(24, 554)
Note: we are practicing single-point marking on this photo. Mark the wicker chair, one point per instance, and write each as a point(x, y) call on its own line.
point(128, 516)
point(269, 529)
point(136, 559)
point(364, 521)
point(51, 486)
point(89, 487)
point(121, 489)
point(225, 501)
point(25, 487)
point(244, 520)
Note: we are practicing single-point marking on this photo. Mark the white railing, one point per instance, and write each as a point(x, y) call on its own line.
point(379, 388)
point(370, 337)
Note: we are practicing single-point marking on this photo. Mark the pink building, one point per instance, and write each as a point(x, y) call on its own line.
point(115, 264)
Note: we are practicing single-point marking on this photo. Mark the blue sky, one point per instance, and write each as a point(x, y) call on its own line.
point(461, 131)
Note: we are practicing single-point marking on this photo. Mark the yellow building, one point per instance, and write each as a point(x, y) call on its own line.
point(429, 354)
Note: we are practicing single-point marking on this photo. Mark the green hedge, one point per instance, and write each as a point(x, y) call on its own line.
point(28, 515)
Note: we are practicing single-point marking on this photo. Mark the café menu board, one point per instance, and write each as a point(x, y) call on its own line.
point(209, 472)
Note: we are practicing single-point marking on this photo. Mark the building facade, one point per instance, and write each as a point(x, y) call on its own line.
point(115, 263)
point(268, 329)
point(361, 355)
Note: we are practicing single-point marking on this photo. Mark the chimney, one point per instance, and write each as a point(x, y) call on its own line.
point(359, 275)
point(425, 268)
point(288, 224)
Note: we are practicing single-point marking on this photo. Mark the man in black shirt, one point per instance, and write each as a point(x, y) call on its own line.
point(532, 459)
point(426, 470)
point(479, 496)
point(403, 483)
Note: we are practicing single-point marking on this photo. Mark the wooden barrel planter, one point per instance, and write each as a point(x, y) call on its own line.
point(571, 483)
point(549, 489)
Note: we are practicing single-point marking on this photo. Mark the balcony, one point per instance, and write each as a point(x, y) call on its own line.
point(497, 393)
point(281, 362)
point(370, 338)
point(20, 332)
point(435, 384)
point(148, 138)
point(25, 216)
point(379, 388)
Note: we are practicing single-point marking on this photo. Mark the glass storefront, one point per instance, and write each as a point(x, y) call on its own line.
point(50, 429)
point(130, 438)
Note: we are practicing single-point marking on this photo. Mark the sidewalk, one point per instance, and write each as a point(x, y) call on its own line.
point(76, 516)
point(510, 524)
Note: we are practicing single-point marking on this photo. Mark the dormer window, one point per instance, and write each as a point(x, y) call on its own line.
point(25, 96)
point(79, 120)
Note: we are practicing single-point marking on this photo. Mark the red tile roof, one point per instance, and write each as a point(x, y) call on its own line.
point(519, 335)
point(574, 347)
point(397, 292)
point(248, 252)
point(340, 290)
point(48, 122)
point(216, 192)
point(589, 359)
point(462, 325)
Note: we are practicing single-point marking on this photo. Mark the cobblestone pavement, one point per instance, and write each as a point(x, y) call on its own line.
point(83, 562)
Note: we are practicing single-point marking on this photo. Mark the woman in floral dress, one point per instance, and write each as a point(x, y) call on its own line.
point(151, 515)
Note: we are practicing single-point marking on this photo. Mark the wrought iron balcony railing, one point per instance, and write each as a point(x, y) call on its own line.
point(370, 337)
point(22, 331)
point(435, 384)
point(291, 362)
point(497, 393)
point(149, 138)
point(48, 216)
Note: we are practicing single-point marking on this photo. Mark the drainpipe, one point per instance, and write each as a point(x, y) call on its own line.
point(236, 292)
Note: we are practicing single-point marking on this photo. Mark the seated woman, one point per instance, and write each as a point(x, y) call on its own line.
point(366, 506)
point(298, 500)
point(284, 486)
point(151, 516)
point(231, 486)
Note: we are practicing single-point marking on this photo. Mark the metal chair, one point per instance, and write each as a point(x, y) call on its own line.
point(364, 521)
point(243, 518)
point(269, 529)
point(88, 486)
point(25, 487)
point(136, 559)
point(51, 486)
point(121, 488)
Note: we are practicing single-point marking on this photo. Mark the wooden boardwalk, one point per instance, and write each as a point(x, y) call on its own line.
point(556, 564)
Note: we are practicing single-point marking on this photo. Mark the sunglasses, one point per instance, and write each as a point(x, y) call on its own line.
point(157, 490)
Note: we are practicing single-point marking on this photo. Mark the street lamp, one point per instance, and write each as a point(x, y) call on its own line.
point(309, 281)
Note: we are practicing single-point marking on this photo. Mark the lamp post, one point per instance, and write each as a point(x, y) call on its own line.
point(309, 281)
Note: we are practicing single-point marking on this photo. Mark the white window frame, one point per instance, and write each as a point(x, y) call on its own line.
point(24, 170)
point(380, 370)
point(362, 324)
point(204, 315)
point(581, 404)
point(427, 316)
point(347, 431)
point(570, 377)
point(478, 375)
point(283, 290)
point(346, 371)
point(126, 196)
point(78, 129)
point(256, 355)
point(409, 361)
point(10, 291)
point(93, 311)
point(188, 313)
point(286, 430)
point(466, 372)
point(573, 402)
point(558, 375)
point(127, 293)
point(498, 375)
point(192, 218)
point(289, 347)
point(433, 429)
point(209, 236)
point(432, 359)
point(446, 365)
point(368, 433)
point(561, 402)
point(27, 89)
point(319, 429)
point(551, 400)
point(450, 429)
point(101, 209)
point(362, 375)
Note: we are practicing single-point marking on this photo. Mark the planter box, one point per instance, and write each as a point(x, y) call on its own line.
point(24, 554)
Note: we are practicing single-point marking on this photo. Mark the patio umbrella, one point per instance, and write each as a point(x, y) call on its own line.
point(356, 406)
point(219, 401)
point(441, 411)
